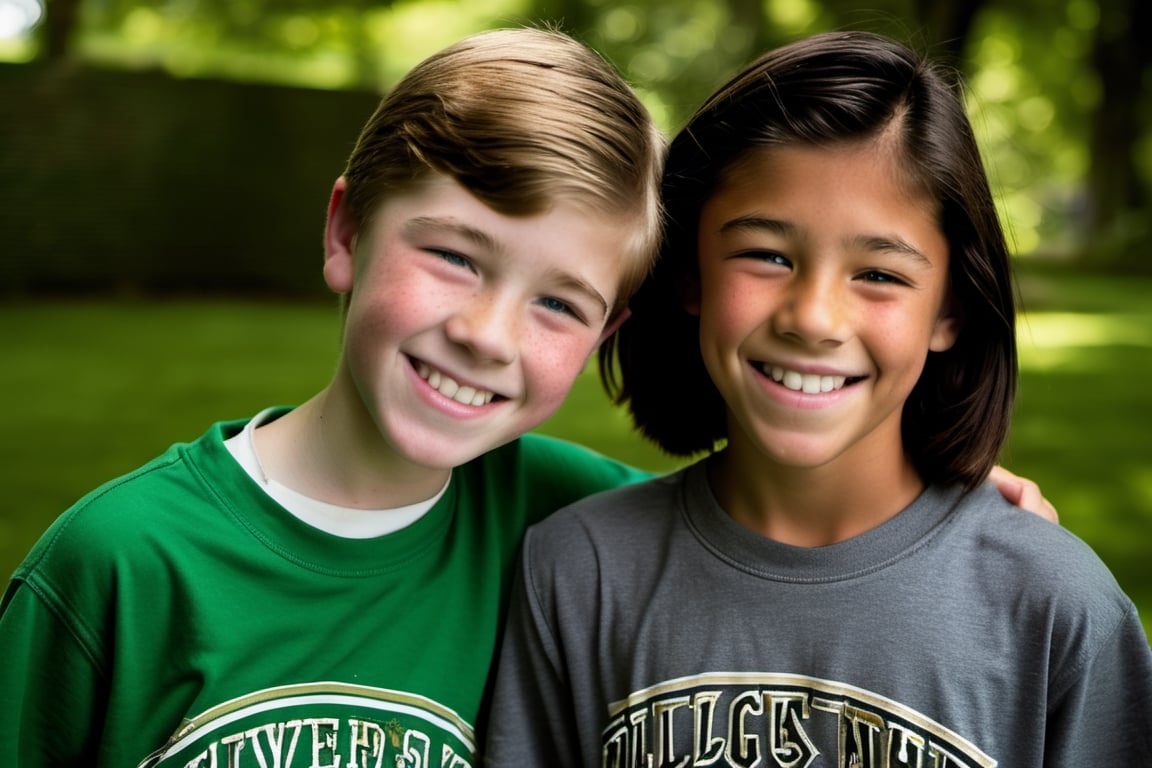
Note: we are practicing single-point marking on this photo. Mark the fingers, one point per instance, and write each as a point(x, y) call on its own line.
point(1023, 493)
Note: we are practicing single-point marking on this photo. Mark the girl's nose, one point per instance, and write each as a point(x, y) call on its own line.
point(488, 326)
point(814, 311)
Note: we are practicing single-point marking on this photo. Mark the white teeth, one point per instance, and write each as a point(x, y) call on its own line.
point(809, 383)
point(451, 388)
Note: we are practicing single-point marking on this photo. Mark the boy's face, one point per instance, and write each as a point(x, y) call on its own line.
point(824, 285)
point(466, 327)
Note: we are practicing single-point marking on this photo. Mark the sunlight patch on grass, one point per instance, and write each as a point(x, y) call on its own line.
point(1050, 340)
point(1046, 330)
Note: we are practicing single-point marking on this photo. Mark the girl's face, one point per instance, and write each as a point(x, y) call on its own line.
point(823, 286)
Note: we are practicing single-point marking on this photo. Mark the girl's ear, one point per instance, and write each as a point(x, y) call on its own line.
point(339, 242)
point(690, 294)
point(948, 326)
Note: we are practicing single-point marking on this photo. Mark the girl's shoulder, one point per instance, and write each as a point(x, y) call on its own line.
point(1037, 559)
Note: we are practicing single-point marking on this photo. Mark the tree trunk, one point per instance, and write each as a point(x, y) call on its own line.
point(1118, 235)
point(56, 31)
point(948, 23)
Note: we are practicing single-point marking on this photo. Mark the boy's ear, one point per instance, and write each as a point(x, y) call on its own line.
point(339, 242)
point(948, 326)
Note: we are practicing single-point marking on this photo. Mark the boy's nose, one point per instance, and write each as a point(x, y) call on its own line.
point(488, 326)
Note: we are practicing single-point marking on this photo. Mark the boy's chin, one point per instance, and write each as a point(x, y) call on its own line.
point(447, 452)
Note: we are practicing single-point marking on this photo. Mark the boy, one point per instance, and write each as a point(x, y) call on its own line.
point(323, 585)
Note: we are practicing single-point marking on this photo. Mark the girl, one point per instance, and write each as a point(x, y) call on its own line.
point(834, 584)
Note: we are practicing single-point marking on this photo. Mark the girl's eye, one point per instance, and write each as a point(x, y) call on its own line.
point(768, 257)
point(775, 258)
point(876, 276)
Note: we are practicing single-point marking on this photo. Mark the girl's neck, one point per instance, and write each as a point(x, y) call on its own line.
point(812, 506)
point(329, 449)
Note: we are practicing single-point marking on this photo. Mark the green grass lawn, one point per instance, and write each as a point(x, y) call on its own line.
point(95, 388)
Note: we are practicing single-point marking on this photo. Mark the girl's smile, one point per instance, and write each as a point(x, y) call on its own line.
point(803, 389)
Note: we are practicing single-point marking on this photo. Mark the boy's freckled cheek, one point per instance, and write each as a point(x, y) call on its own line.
point(558, 366)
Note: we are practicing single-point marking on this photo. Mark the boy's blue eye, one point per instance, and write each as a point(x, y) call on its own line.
point(553, 304)
point(454, 259)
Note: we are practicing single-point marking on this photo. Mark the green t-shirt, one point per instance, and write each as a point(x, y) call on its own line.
point(177, 616)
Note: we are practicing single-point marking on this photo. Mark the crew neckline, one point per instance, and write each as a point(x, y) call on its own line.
point(878, 548)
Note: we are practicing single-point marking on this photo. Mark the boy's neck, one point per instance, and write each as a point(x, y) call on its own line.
point(811, 507)
point(327, 451)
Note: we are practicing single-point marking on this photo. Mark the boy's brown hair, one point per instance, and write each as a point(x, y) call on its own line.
point(523, 119)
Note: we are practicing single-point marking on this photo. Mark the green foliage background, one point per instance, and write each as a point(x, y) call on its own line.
point(1060, 89)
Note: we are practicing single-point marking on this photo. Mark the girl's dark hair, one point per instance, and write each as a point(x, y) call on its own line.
point(824, 90)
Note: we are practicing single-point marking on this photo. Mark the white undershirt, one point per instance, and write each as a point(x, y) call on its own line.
point(348, 522)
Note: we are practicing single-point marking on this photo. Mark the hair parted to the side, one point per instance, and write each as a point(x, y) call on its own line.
point(823, 90)
point(523, 119)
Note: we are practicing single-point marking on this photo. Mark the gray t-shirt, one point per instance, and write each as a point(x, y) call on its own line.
point(650, 629)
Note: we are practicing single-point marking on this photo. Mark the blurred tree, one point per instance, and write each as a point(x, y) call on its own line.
point(1119, 235)
point(57, 29)
point(576, 16)
point(948, 23)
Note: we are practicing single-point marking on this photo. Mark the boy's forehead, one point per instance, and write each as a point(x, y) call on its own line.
point(436, 200)
point(476, 235)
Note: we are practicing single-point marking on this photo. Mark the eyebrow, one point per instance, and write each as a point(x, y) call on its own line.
point(571, 281)
point(482, 239)
point(754, 223)
point(478, 237)
point(893, 244)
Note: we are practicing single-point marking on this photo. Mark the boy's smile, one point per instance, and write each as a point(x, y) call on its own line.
point(450, 388)
point(465, 327)
point(823, 286)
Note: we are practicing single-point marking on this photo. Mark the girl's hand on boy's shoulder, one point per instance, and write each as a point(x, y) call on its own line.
point(1023, 493)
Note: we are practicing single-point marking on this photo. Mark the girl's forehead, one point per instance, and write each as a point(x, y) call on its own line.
point(866, 169)
point(830, 197)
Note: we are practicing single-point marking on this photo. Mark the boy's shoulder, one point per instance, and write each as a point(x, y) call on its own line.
point(545, 449)
point(117, 519)
point(551, 465)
